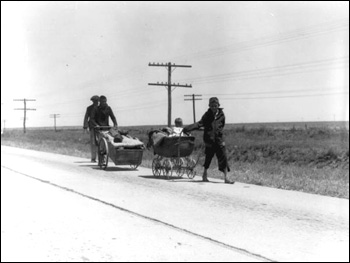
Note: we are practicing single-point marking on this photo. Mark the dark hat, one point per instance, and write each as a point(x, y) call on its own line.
point(214, 100)
point(95, 97)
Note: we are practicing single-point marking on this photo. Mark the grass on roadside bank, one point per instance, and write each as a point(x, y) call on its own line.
point(313, 161)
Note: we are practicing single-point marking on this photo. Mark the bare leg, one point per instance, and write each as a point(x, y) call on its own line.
point(227, 181)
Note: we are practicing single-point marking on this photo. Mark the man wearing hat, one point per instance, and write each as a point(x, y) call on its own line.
point(213, 122)
point(88, 124)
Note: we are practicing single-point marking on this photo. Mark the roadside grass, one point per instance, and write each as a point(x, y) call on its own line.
point(313, 161)
point(324, 181)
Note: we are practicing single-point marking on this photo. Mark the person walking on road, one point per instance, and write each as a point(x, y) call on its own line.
point(213, 122)
point(100, 115)
point(88, 125)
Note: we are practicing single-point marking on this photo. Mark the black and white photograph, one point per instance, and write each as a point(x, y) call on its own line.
point(174, 131)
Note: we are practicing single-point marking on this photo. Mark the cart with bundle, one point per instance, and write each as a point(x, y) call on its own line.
point(173, 155)
point(127, 152)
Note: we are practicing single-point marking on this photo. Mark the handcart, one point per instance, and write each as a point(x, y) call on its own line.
point(173, 155)
point(120, 156)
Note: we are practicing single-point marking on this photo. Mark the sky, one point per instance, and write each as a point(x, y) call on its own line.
point(265, 61)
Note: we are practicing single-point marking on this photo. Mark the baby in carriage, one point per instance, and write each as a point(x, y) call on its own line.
point(157, 136)
point(177, 130)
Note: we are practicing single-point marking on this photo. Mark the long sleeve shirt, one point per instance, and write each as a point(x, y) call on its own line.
point(213, 126)
point(100, 116)
point(87, 118)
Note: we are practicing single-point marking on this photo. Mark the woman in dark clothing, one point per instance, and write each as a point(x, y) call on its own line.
point(213, 122)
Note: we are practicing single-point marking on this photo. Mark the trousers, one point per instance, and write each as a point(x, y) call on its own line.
point(220, 151)
point(93, 146)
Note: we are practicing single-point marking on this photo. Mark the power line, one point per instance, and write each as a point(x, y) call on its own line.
point(290, 96)
point(299, 33)
point(273, 71)
point(295, 66)
point(323, 28)
point(339, 24)
point(169, 67)
point(131, 92)
point(275, 91)
point(25, 111)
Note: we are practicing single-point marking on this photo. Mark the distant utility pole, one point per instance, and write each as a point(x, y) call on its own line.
point(25, 111)
point(55, 116)
point(193, 102)
point(169, 67)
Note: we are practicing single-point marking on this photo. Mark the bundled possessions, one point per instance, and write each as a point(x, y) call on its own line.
point(117, 137)
point(156, 137)
point(166, 130)
point(123, 132)
point(170, 146)
point(121, 139)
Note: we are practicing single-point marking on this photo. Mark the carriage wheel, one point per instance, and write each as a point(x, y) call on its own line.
point(191, 163)
point(180, 167)
point(191, 173)
point(156, 167)
point(167, 168)
point(103, 154)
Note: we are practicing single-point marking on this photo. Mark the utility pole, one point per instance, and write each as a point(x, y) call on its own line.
point(169, 67)
point(25, 111)
point(55, 116)
point(193, 102)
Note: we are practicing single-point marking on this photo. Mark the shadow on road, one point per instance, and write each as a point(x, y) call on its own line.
point(176, 179)
point(109, 168)
point(196, 181)
point(88, 165)
point(115, 169)
point(162, 177)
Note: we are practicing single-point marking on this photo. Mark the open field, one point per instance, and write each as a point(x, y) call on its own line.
point(302, 157)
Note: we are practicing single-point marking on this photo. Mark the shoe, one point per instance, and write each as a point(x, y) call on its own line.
point(93, 161)
point(229, 182)
point(205, 179)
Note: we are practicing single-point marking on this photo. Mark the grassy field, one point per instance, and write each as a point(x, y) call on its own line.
point(312, 159)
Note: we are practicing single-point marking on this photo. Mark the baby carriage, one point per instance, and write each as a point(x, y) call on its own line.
point(172, 155)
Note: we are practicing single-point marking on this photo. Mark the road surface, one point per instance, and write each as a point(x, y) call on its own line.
point(63, 208)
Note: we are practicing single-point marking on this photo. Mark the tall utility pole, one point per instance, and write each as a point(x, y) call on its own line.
point(55, 116)
point(193, 101)
point(169, 67)
point(25, 111)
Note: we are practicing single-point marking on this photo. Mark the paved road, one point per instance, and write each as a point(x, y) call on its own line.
point(123, 215)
